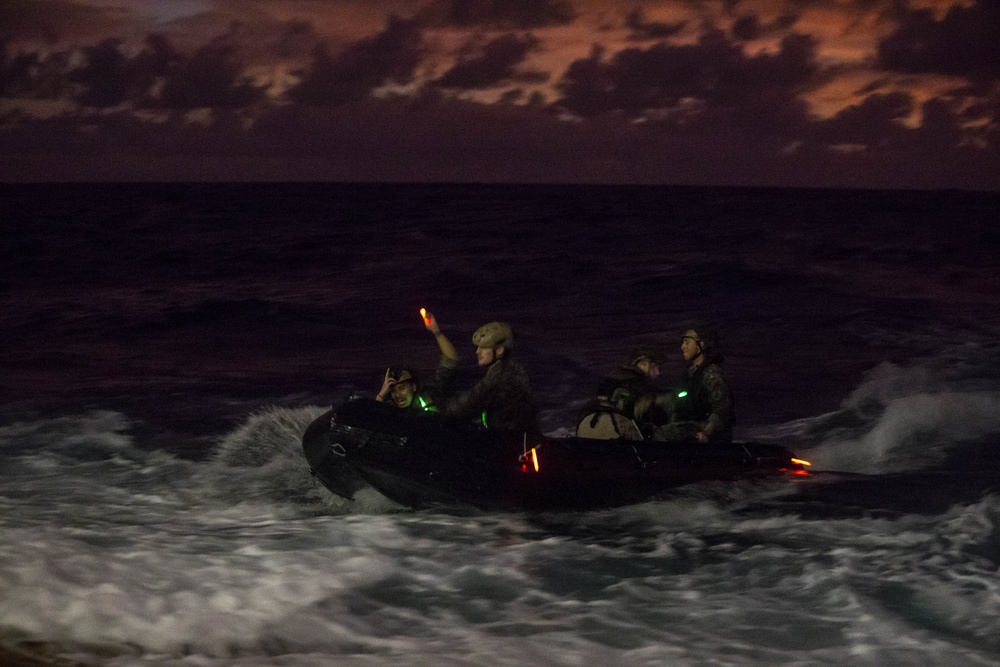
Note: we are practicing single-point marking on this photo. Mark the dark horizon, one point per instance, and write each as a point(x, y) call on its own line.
point(987, 193)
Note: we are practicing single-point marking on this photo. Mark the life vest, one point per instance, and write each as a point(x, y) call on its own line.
point(622, 389)
point(423, 403)
point(692, 400)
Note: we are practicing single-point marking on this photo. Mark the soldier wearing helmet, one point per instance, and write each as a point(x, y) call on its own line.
point(632, 387)
point(493, 340)
point(402, 386)
point(702, 409)
point(502, 398)
point(627, 401)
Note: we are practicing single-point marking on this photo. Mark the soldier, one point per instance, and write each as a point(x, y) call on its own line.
point(702, 409)
point(502, 398)
point(628, 401)
point(402, 386)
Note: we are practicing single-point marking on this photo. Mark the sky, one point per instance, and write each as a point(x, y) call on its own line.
point(787, 93)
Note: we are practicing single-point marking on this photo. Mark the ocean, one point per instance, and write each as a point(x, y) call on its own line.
point(165, 346)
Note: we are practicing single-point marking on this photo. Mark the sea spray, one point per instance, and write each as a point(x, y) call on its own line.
point(262, 460)
point(900, 418)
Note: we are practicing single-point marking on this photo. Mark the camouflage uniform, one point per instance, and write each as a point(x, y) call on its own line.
point(435, 391)
point(708, 402)
point(502, 399)
point(632, 393)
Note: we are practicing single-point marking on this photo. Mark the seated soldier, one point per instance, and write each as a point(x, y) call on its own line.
point(702, 408)
point(402, 383)
point(627, 401)
point(502, 398)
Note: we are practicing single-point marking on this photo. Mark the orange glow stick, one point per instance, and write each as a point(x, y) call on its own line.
point(423, 314)
point(801, 462)
point(534, 458)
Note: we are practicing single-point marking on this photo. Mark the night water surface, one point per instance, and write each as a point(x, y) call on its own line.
point(164, 347)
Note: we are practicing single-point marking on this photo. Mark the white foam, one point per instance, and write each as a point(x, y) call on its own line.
point(98, 429)
point(902, 417)
point(158, 568)
point(913, 432)
point(263, 459)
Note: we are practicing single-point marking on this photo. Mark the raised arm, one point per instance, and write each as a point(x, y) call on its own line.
point(430, 323)
point(387, 383)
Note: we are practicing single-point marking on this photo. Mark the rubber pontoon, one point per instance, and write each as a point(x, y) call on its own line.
point(421, 459)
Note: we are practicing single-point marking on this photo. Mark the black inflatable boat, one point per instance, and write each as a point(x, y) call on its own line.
point(421, 459)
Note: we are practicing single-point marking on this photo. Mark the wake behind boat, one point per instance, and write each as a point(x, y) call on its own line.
point(419, 459)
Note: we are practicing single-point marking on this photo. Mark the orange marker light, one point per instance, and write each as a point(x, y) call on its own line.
point(423, 314)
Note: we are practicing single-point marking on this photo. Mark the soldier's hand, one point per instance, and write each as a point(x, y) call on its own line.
point(387, 383)
point(429, 322)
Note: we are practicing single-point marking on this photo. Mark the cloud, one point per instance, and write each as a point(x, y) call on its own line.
point(103, 77)
point(440, 139)
point(293, 37)
point(746, 28)
point(941, 125)
point(687, 81)
point(494, 64)
point(645, 30)
point(879, 118)
point(16, 72)
point(749, 26)
point(30, 75)
point(54, 20)
point(390, 56)
point(262, 39)
point(212, 77)
point(500, 14)
point(728, 107)
point(962, 43)
point(109, 78)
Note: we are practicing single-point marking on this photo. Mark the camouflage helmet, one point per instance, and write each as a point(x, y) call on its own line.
point(493, 335)
point(707, 333)
point(646, 352)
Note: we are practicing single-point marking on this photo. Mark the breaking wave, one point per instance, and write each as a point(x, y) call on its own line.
point(904, 418)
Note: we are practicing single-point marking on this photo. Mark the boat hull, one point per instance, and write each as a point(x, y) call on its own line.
point(421, 459)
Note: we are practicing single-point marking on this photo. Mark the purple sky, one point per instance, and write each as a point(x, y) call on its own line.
point(831, 93)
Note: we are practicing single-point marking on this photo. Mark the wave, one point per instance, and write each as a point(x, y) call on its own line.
point(905, 418)
point(80, 453)
point(934, 413)
point(95, 436)
point(263, 459)
point(93, 458)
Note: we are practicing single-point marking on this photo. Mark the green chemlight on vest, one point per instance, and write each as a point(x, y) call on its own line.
point(681, 394)
point(484, 419)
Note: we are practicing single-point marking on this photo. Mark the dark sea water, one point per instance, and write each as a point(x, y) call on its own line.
point(164, 347)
